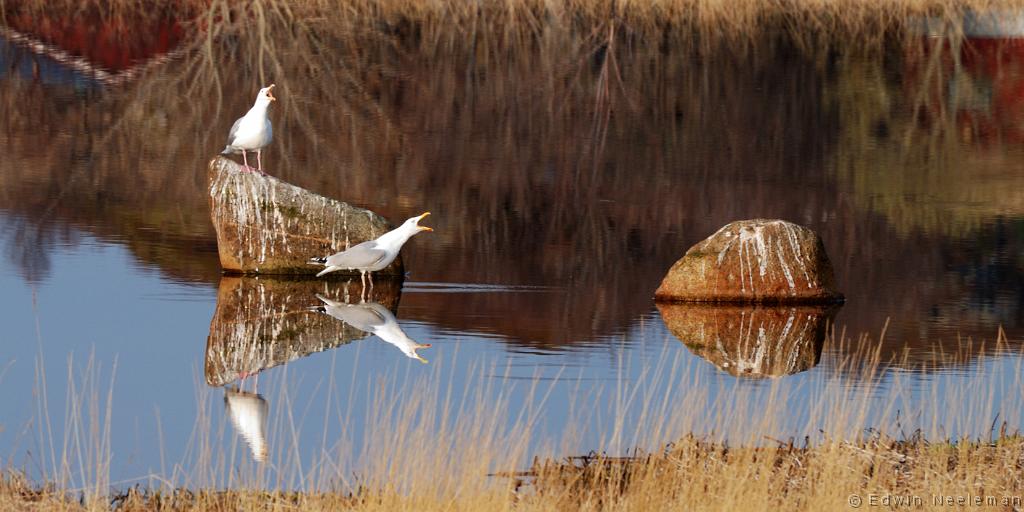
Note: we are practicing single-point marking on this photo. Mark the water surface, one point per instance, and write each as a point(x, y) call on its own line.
point(558, 204)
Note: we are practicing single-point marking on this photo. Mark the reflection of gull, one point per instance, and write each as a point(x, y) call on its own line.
point(252, 131)
point(374, 319)
point(248, 413)
point(372, 255)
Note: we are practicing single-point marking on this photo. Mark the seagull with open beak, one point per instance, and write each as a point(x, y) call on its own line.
point(372, 255)
point(373, 318)
point(252, 132)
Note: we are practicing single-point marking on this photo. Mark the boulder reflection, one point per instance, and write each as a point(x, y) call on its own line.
point(752, 341)
point(260, 323)
point(264, 322)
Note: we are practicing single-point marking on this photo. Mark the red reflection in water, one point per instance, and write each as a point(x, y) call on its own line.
point(114, 44)
point(981, 83)
point(998, 64)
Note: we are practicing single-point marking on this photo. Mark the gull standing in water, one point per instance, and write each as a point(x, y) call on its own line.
point(252, 132)
point(372, 255)
point(375, 319)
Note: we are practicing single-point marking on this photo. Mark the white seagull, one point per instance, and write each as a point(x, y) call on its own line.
point(248, 412)
point(252, 132)
point(372, 255)
point(375, 319)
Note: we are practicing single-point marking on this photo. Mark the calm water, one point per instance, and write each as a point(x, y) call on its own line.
point(557, 210)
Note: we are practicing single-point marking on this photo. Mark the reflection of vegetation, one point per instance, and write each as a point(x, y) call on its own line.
point(905, 151)
point(529, 157)
point(570, 150)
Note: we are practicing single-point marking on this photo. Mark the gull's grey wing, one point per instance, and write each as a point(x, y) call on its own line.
point(361, 316)
point(363, 255)
point(384, 314)
point(234, 131)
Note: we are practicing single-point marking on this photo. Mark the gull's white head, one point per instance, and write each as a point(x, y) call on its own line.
point(266, 95)
point(413, 224)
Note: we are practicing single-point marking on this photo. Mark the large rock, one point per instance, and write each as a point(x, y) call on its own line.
point(263, 322)
point(751, 341)
point(267, 226)
point(754, 261)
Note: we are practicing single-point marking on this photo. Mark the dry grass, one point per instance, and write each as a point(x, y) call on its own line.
point(461, 447)
point(690, 475)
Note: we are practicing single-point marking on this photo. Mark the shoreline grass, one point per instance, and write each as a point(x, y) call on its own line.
point(691, 474)
point(464, 447)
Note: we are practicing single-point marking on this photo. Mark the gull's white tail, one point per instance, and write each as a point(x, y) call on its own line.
point(329, 302)
point(328, 270)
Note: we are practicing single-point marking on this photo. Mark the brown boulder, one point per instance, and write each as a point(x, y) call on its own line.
point(756, 261)
point(751, 341)
point(267, 226)
point(263, 322)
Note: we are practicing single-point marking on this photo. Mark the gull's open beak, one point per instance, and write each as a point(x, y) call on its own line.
point(419, 357)
point(270, 92)
point(424, 228)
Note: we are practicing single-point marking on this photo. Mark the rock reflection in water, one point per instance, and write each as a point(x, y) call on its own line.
point(260, 323)
point(752, 341)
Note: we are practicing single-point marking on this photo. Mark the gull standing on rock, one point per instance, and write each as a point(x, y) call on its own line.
point(372, 255)
point(252, 132)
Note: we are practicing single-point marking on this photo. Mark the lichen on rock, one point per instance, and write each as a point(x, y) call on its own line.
point(754, 261)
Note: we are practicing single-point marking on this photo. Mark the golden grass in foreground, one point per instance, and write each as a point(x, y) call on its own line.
point(691, 475)
point(459, 445)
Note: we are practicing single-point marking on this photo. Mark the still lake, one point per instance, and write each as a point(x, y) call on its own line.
point(557, 208)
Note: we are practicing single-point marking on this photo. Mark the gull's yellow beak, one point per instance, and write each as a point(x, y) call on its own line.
point(424, 228)
point(419, 346)
point(270, 92)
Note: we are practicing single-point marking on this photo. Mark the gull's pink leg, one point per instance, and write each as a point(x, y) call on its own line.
point(259, 162)
point(246, 160)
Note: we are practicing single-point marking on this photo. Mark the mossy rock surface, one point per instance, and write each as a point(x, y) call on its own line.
point(268, 226)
